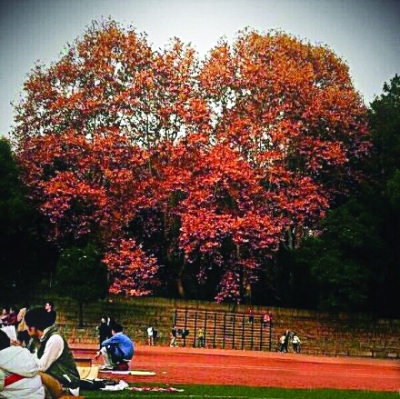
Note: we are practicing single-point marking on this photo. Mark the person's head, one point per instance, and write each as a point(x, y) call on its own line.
point(37, 320)
point(4, 311)
point(103, 320)
point(116, 328)
point(4, 340)
point(49, 306)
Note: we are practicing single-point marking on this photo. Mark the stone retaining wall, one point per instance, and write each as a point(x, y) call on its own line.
point(321, 333)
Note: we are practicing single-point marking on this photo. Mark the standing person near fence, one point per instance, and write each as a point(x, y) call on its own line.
point(266, 319)
point(150, 335)
point(286, 341)
point(281, 343)
point(250, 313)
point(172, 336)
point(110, 323)
point(51, 312)
point(200, 338)
point(103, 331)
point(296, 343)
point(156, 335)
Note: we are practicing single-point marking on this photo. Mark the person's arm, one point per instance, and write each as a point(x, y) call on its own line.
point(107, 341)
point(21, 314)
point(52, 351)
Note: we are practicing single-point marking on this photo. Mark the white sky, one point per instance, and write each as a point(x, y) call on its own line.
point(364, 33)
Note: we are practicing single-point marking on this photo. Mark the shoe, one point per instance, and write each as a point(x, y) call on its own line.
point(106, 368)
point(74, 392)
point(121, 367)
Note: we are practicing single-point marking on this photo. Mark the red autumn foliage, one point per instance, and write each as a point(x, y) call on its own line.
point(248, 148)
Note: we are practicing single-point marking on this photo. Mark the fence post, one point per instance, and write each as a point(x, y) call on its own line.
point(224, 332)
point(205, 328)
point(242, 332)
point(270, 335)
point(184, 338)
point(233, 330)
point(252, 335)
point(195, 329)
point(215, 329)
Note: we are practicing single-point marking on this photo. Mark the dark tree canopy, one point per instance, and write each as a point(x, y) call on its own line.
point(23, 247)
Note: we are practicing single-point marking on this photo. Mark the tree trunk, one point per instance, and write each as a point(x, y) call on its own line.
point(80, 314)
point(179, 287)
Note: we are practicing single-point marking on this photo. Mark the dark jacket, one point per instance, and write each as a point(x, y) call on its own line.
point(64, 368)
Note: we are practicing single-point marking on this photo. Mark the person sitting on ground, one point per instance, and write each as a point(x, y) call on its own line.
point(117, 350)
point(19, 373)
point(52, 355)
point(13, 317)
point(8, 322)
point(4, 317)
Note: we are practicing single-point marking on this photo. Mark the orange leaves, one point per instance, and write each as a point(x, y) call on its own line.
point(218, 159)
point(132, 272)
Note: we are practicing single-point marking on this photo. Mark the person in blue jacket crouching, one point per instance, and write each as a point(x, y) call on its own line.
point(117, 351)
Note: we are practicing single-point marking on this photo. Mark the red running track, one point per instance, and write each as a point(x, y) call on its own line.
point(262, 369)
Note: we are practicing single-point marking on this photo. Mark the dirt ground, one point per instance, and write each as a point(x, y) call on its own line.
point(174, 366)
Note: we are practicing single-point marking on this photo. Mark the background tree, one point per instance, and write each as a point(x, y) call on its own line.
point(354, 264)
point(204, 169)
point(343, 263)
point(80, 275)
point(25, 256)
point(385, 127)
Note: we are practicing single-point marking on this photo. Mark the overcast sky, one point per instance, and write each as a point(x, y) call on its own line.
point(364, 33)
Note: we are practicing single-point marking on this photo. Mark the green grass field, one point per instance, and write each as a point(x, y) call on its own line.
point(236, 392)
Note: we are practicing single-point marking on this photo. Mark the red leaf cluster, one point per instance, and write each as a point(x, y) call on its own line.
point(247, 147)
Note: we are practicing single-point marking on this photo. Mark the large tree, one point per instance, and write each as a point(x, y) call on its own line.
point(201, 168)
